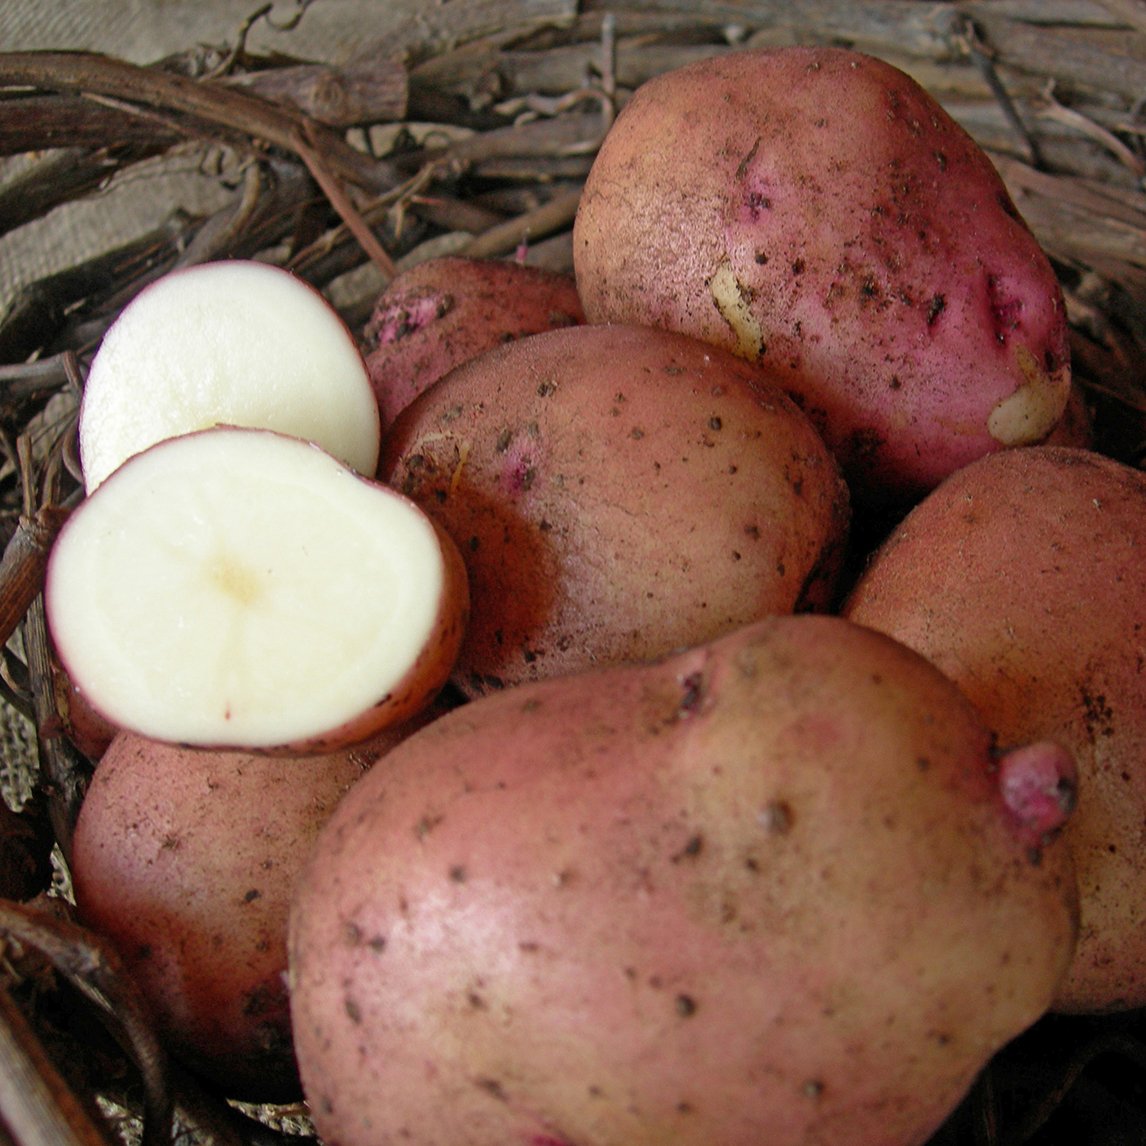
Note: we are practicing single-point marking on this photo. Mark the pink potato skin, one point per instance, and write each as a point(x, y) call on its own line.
point(443, 311)
point(765, 891)
point(185, 859)
point(1021, 577)
point(879, 261)
point(617, 492)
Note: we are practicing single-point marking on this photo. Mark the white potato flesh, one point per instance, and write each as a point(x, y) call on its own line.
point(229, 343)
point(242, 588)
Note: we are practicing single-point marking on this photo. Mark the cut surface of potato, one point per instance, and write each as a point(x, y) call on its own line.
point(236, 342)
point(242, 588)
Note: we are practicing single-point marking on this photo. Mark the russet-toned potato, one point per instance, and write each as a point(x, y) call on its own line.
point(617, 492)
point(817, 209)
point(777, 889)
point(1022, 578)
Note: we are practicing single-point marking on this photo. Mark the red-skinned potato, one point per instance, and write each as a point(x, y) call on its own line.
point(777, 889)
point(443, 311)
point(238, 588)
point(1021, 577)
point(185, 859)
point(617, 492)
point(815, 208)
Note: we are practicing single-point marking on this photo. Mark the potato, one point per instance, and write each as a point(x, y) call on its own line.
point(243, 589)
point(615, 493)
point(1021, 577)
point(185, 860)
point(443, 311)
point(817, 209)
point(768, 890)
point(236, 342)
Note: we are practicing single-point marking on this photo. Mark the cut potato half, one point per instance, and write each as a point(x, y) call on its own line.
point(230, 343)
point(241, 588)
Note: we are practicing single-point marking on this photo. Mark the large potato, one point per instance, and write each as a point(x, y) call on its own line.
point(1022, 578)
point(765, 891)
point(185, 859)
point(617, 492)
point(441, 312)
point(817, 209)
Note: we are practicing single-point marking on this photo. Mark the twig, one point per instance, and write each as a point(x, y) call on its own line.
point(212, 103)
point(37, 1107)
point(28, 379)
point(61, 178)
point(1132, 11)
point(436, 28)
point(346, 210)
point(223, 231)
point(507, 236)
point(23, 563)
point(373, 91)
point(1052, 109)
point(30, 123)
point(983, 59)
point(239, 47)
point(95, 969)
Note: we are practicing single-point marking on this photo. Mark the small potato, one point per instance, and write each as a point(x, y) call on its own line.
point(778, 889)
point(1021, 577)
point(617, 492)
point(815, 208)
point(446, 310)
point(185, 859)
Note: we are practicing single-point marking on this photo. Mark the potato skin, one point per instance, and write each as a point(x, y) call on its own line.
point(443, 311)
point(762, 891)
point(816, 208)
point(1021, 578)
point(185, 859)
point(617, 492)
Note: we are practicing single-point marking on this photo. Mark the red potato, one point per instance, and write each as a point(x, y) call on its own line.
point(241, 588)
point(778, 889)
point(1021, 577)
point(617, 492)
point(186, 860)
point(235, 342)
point(816, 209)
point(447, 310)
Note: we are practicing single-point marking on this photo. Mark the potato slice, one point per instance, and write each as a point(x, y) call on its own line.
point(241, 588)
point(237, 342)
